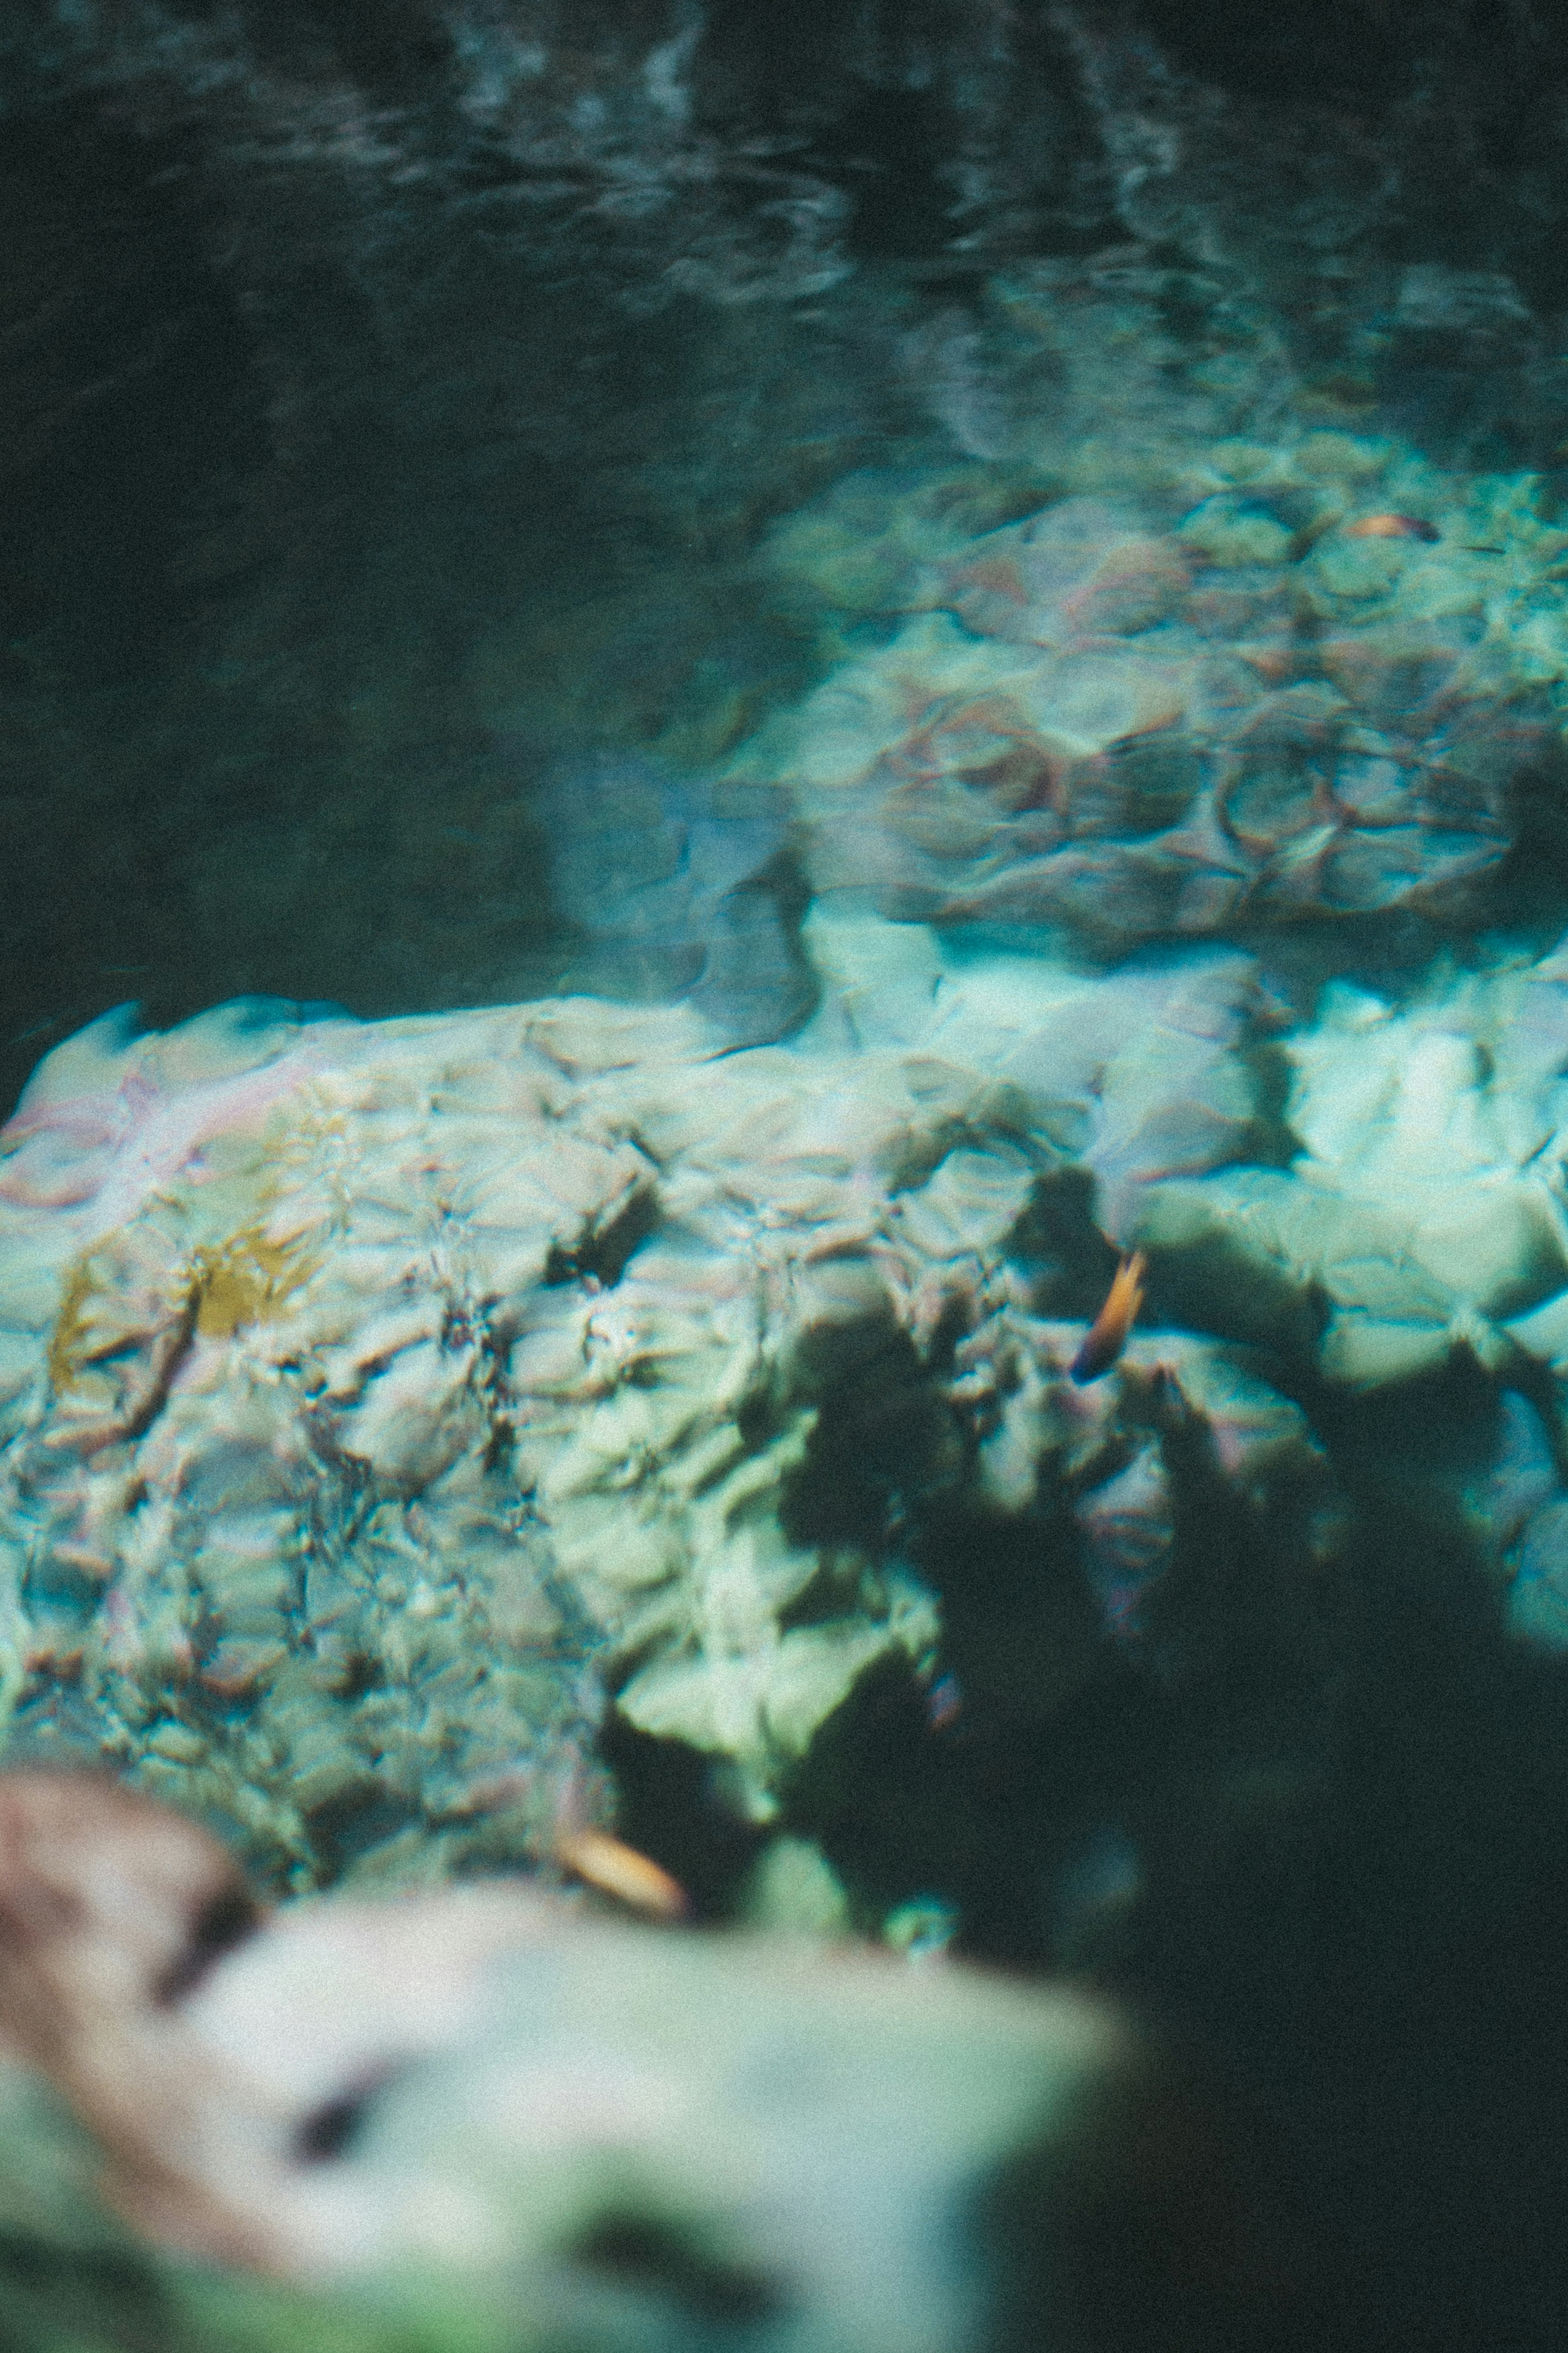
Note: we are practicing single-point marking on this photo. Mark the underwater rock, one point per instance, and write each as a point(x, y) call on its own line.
point(1424, 1209)
point(1538, 1590)
point(487, 2106)
point(379, 1406)
point(1095, 721)
point(1138, 1075)
point(1506, 1479)
point(381, 1400)
point(1083, 570)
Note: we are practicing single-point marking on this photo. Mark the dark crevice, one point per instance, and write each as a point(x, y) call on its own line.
point(222, 1924)
point(331, 2130)
point(603, 1256)
point(660, 2260)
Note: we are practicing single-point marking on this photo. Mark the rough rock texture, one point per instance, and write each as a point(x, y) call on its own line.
point(1425, 1209)
point(1138, 1459)
point(380, 1398)
point(1220, 706)
point(349, 1432)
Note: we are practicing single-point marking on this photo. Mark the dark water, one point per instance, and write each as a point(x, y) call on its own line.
point(399, 407)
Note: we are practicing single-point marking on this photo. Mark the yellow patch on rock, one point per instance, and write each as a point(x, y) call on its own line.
point(115, 1303)
point(70, 1341)
point(246, 1280)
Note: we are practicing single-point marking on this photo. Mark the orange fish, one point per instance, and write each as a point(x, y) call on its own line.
point(1393, 526)
point(1106, 1336)
point(618, 1870)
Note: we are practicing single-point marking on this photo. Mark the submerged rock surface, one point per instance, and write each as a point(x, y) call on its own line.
point(362, 1396)
point(1255, 690)
point(381, 1398)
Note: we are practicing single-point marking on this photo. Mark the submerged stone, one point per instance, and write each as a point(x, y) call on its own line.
point(685, 891)
point(482, 2117)
point(1272, 710)
point(386, 1406)
point(383, 1404)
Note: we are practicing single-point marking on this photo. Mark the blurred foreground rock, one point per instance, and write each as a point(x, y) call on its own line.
point(494, 2117)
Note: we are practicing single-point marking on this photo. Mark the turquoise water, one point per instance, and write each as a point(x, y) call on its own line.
point(863, 541)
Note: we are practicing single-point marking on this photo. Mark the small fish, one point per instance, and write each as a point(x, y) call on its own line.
point(1393, 526)
point(618, 1870)
point(1106, 1336)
